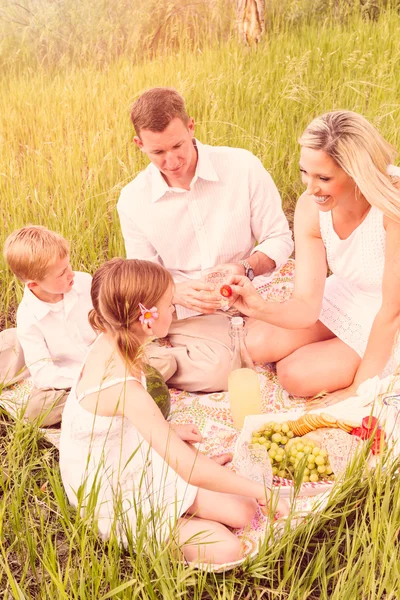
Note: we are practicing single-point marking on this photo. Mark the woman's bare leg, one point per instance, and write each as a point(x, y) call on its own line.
point(327, 366)
point(269, 343)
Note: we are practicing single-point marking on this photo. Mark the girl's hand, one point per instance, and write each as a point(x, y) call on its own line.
point(188, 433)
point(282, 507)
point(248, 300)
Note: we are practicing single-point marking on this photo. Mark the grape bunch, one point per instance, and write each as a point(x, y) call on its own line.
point(290, 455)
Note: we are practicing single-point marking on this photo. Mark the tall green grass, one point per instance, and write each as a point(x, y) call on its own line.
point(69, 72)
point(349, 551)
point(66, 140)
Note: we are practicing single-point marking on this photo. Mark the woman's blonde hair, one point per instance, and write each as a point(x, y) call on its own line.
point(359, 149)
point(32, 250)
point(118, 287)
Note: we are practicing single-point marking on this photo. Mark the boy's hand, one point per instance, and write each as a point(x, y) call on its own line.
point(188, 433)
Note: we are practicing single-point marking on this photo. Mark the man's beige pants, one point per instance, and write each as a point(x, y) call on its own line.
point(202, 350)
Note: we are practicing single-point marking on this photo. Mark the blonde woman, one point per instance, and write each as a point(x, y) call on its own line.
point(121, 461)
point(336, 332)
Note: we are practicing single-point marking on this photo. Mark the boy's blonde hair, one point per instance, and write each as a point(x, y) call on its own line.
point(32, 250)
point(117, 288)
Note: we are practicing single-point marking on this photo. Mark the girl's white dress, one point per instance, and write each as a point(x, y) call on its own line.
point(353, 293)
point(110, 472)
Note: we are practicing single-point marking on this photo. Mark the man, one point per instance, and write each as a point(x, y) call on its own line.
point(197, 207)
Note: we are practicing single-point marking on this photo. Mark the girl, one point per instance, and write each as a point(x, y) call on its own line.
point(335, 333)
point(116, 445)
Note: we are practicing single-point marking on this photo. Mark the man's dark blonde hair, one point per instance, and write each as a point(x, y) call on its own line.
point(117, 288)
point(32, 250)
point(156, 108)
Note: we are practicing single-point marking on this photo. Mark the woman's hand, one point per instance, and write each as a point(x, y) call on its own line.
point(332, 398)
point(248, 300)
point(188, 433)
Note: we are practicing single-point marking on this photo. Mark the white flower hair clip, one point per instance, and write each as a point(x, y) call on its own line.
point(148, 315)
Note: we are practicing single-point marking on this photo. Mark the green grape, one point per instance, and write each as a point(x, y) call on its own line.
point(277, 427)
point(272, 453)
point(314, 478)
point(323, 453)
point(300, 455)
point(300, 447)
point(305, 478)
point(321, 469)
point(284, 440)
point(307, 449)
point(285, 428)
point(267, 445)
point(274, 470)
point(307, 471)
point(283, 473)
point(311, 458)
point(316, 451)
point(319, 460)
point(276, 437)
point(279, 458)
point(329, 469)
point(290, 434)
point(274, 446)
point(262, 439)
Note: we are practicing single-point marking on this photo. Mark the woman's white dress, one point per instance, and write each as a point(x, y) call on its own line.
point(353, 293)
point(106, 463)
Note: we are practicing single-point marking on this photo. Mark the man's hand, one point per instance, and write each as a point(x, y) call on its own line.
point(188, 433)
point(229, 268)
point(248, 300)
point(197, 295)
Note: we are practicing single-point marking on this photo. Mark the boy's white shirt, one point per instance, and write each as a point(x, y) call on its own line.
point(55, 344)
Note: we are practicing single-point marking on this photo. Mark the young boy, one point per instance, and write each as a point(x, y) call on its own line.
point(52, 320)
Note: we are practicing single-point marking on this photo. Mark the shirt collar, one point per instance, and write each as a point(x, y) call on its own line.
point(40, 309)
point(204, 170)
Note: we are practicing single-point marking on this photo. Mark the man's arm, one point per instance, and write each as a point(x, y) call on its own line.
point(136, 243)
point(268, 222)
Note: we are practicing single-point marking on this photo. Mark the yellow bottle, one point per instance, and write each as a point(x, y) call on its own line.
point(243, 383)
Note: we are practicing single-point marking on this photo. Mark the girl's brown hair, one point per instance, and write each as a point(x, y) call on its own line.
point(117, 288)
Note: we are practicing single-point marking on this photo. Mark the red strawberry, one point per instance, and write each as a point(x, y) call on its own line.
point(369, 423)
point(356, 431)
point(226, 291)
point(379, 441)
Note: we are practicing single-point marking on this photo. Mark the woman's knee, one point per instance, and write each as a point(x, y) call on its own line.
point(293, 377)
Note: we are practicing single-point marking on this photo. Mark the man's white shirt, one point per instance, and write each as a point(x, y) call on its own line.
point(232, 203)
point(55, 337)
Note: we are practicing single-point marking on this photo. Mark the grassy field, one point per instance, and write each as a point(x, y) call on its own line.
point(69, 72)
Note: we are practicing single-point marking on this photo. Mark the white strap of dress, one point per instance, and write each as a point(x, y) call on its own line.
point(107, 385)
